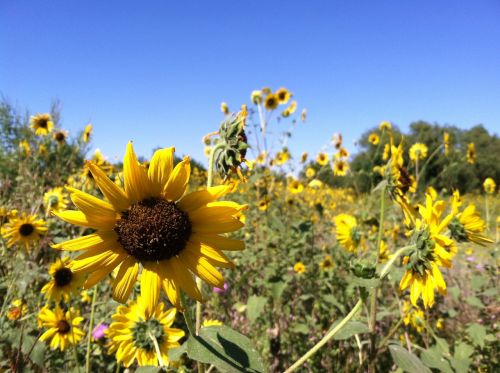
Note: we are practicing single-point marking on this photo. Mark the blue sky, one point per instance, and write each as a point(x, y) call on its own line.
point(156, 71)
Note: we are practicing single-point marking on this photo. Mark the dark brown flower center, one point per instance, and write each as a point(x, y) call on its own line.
point(60, 137)
point(43, 123)
point(153, 230)
point(63, 277)
point(63, 327)
point(26, 229)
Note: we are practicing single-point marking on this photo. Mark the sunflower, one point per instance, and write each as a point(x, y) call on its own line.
point(383, 252)
point(24, 148)
point(467, 225)
point(322, 159)
point(418, 151)
point(42, 124)
point(326, 264)
point(432, 249)
point(373, 138)
point(337, 140)
point(55, 200)
point(17, 310)
point(25, 229)
point(62, 327)
point(348, 234)
point(283, 95)
point(87, 132)
point(263, 205)
point(413, 316)
point(340, 167)
point(446, 143)
point(64, 281)
point(152, 225)
point(471, 153)
point(135, 331)
point(385, 126)
point(224, 108)
point(271, 102)
point(295, 187)
point(60, 136)
point(489, 185)
point(299, 268)
point(310, 172)
point(281, 157)
point(256, 97)
point(342, 153)
point(303, 157)
point(290, 109)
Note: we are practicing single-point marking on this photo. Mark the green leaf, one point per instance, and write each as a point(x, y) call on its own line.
point(37, 356)
point(148, 369)
point(433, 359)
point(442, 346)
point(461, 360)
point(406, 360)
point(175, 354)
point(301, 328)
point(454, 292)
point(365, 283)
point(277, 289)
point(477, 334)
point(255, 306)
point(474, 301)
point(490, 292)
point(226, 349)
point(478, 282)
point(351, 328)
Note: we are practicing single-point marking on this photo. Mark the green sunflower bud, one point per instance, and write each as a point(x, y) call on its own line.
point(363, 269)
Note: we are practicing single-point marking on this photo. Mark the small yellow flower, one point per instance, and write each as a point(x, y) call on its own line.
point(25, 229)
point(295, 187)
point(283, 95)
point(337, 140)
point(24, 148)
point(315, 183)
point(263, 205)
point(418, 151)
point(342, 153)
point(347, 233)
point(489, 185)
point(299, 268)
point(290, 109)
point(17, 310)
point(55, 200)
point(60, 136)
point(471, 153)
point(446, 142)
point(224, 108)
point(42, 124)
point(64, 281)
point(62, 328)
point(310, 172)
point(271, 102)
point(303, 115)
point(87, 132)
point(373, 138)
point(432, 192)
point(281, 157)
point(42, 150)
point(85, 297)
point(340, 168)
point(326, 264)
point(439, 323)
point(322, 159)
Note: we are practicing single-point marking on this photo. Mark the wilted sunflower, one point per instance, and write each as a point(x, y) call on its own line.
point(471, 153)
point(135, 330)
point(303, 157)
point(322, 159)
point(60, 136)
point(62, 327)
point(373, 138)
point(467, 225)
point(64, 281)
point(283, 95)
point(271, 102)
point(42, 124)
point(340, 167)
point(418, 151)
point(87, 132)
point(299, 268)
point(153, 225)
point(24, 229)
point(55, 199)
point(347, 234)
point(17, 310)
point(432, 249)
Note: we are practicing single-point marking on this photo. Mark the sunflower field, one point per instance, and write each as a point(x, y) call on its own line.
point(254, 259)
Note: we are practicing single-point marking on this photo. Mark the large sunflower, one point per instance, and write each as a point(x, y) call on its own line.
point(62, 327)
point(64, 282)
point(135, 330)
point(152, 225)
point(24, 229)
point(42, 124)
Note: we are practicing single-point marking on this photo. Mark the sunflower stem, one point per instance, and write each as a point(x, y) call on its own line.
point(187, 316)
point(75, 353)
point(89, 335)
point(157, 349)
point(395, 256)
point(326, 338)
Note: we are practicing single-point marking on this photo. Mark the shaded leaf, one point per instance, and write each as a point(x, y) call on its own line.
point(255, 306)
point(406, 360)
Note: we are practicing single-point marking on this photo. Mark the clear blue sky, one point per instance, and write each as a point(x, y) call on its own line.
point(156, 71)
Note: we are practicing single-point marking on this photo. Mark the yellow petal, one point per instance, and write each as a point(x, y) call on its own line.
point(219, 242)
point(213, 255)
point(405, 281)
point(415, 290)
point(125, 279)
point(195, 200)
point(93, 260)
point(173, 268)
point(135, 178)
point(222, 211)
point(109, 189)
point(150, 286)
point(201, 267)
point(178, 181)
point(160, 168)
point(97, 276)
point(172, 291)
point(438, 278)
point(94, 240)
point(224, 225)
point(79, 218)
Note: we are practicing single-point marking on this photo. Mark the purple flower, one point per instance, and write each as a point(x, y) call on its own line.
point(223, 290)
point(98, 332)
point(470, 259)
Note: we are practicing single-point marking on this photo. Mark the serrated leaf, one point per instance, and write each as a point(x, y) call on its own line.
point(255, 306)
point(406, 360)
point(461, 359)
point(350, 329)
point(477, 334)
point(433, 359)
point(442, 346)
point(490, 292)
point(226, 349)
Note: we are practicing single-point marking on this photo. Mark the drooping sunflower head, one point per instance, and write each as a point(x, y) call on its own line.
point(135, 330)
point(64, 281)
point(256, 97)
point(62, 327)
point(467, 225)
point(24, 229)
point(152, 227)
point(290, 109)
point(385, 126)
point(42, 124)
point(471, 153)
point(348, 234)
point(337, 140)
point(55, 199)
